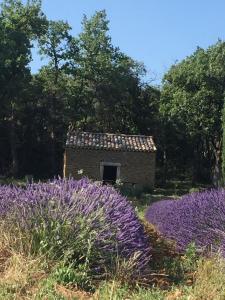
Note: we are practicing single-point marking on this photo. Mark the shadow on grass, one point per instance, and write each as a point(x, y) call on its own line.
point(172, 190)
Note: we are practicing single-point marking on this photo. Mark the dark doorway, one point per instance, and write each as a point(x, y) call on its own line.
point(109, 174)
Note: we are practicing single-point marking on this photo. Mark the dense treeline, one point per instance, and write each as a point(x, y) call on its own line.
point(91, 85)
point(87, 83)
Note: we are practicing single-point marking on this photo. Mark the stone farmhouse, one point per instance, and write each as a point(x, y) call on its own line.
point(108, 157)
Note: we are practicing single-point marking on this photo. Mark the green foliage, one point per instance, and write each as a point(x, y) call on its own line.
point(47, 290)
point(57, 241)
point(115, 291)
point(79, 276)
point(223, 147)
point(19, 26)
point(107, 81)
point(90, 84)
point(55, 42)
point(87, 83)
point(190, 259)
point(180, 268)
point(131, 191)
point(193, 96)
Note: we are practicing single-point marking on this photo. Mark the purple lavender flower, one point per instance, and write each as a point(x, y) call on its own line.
point(196, 217)
point(108, 217)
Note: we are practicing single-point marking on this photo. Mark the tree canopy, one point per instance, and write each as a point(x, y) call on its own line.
point(90, 84)
point(193, 96)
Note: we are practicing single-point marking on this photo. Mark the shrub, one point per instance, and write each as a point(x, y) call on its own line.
point(196, 217)
point(77, 220)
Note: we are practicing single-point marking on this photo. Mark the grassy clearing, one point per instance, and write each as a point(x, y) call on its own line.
point(172, 190)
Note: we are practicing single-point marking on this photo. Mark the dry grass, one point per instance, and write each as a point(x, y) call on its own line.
point(21, 278)
point(209, 282)
point(161, 247)
point(24, 277)
point(210, 279)
point(19, 273)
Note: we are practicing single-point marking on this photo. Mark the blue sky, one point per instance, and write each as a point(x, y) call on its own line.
point(155, 32)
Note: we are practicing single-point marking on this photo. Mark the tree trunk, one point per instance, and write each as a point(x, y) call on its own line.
point(217, 169)
point(197, 164)
point(53, 121)
point(13, 147)
point(164, 174)
point(52, 152)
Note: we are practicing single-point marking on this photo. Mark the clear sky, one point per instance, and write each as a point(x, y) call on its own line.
point(155, 32)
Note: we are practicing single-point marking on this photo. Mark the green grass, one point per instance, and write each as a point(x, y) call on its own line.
point(172, 190)
point(14, 181)
point(115, 291)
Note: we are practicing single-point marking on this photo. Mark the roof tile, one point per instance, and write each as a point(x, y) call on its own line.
point(109, 141)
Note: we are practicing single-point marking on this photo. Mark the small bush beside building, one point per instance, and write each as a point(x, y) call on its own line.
point(111, 157)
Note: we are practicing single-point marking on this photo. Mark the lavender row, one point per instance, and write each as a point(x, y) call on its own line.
point(196, 217)
point(108, 216)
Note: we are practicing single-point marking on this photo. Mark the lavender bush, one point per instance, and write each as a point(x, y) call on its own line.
point(76, 219)
point(196, 217)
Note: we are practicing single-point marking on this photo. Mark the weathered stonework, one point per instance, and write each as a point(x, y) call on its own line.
point(135, 167)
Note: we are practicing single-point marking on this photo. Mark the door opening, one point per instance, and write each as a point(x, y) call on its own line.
point(109, 174)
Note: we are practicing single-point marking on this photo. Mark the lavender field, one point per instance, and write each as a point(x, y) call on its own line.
point(87, 241)
point(81, 224)
point(66, 210)
point(196, 217)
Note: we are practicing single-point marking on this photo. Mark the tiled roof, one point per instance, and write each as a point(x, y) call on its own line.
point(109, 141)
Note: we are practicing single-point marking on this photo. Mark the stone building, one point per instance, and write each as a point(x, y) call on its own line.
point(108, 157)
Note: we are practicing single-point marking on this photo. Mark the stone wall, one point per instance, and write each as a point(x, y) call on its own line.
point(136, 167)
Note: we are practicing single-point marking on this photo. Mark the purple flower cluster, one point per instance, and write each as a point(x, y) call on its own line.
point(196, 217)
point(108, 215)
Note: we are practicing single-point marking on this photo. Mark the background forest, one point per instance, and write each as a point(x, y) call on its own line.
point(91, 85)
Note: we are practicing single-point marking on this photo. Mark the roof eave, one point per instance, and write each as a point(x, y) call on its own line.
point(110, 149)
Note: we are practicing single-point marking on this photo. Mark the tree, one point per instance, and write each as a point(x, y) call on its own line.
point(223, 149)
point(87, 82)
point(19, 25)
point(56, 45)
point(106, 81)
point(193, 96)
point(146, 111)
